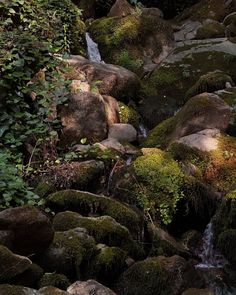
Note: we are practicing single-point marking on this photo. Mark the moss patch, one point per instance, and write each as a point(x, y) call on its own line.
point(128, 115)
point(211, 30)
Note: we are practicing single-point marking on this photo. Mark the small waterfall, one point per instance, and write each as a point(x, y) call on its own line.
point(209, 256)
point(92, 49)
point(143, 132)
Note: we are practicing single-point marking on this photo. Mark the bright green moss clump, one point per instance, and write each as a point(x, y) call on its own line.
point(129, 115)
point(159, 184)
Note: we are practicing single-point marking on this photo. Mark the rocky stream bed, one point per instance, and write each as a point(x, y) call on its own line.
point(146, 205)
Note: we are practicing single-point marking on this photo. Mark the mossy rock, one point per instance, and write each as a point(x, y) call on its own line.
point(132, 40)
point(210, 82)
point(11, 264)
point(107, 265)
point(104, 230)
point(17, 290)
point(50, 290)
point(226, 244)
point(153, 275)
point(30, 277)
point(216, 168)
point(128, 115)
point(68, 252)
point(90, 204)
point(56, 280)
point(207, 9)
point(203, 111)
point(194, 291)
point(211, 30)
point(166, 87)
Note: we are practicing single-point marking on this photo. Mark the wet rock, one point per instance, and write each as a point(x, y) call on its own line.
point(11, 264)
point(104, 229)
point(84, 117)
point(6, 238)
point(89, 287)
point(56, 280)
point(122, 132)
point(152, 277)
point(114, 80)
point(31, 228)
point(165, 89)
point(204, 111)
point(67, 252)
point(121, 8)
point(90, 204)
point(165, 244)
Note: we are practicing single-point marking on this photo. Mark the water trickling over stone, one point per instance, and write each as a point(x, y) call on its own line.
point(209, 256)
point(92, 49)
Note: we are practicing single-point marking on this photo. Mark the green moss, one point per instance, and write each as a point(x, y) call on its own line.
point(209, 83)
point(104, 230)
point(211, 30)
point(87, 203)
point(125, 60)
point(107, 265)
point(159, 183)
point(158, 136)
point(30, 277)
point(56, 280)
point(128, 115)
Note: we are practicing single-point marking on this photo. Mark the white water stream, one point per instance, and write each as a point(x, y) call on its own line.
point(92, 49)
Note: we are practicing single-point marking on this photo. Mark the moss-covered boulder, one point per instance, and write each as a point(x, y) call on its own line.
point(104, 230)
point(136, 42)
point(17, 290)
point(11, 264)
point(56, 280)
point(166, 87)
point(107, 265)
point(211, 30)
point(153, 276)
point(90, 204)
point(210, 82)
point(69, 250)
point(203, 111)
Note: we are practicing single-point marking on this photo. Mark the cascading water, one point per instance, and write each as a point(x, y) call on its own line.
point(212, 265)
point(209, 256)
point(92, 49)
point(143, 132)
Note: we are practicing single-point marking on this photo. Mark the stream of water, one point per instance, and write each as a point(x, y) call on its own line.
point(92, 49)
point(213, 264)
